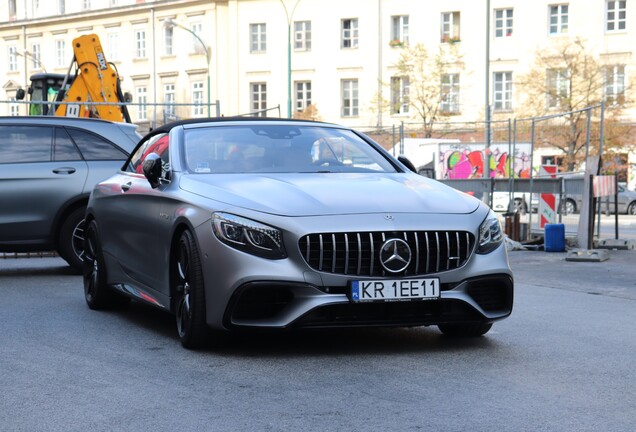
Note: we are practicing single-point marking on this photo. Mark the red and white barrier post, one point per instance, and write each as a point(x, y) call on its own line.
point(547, 202)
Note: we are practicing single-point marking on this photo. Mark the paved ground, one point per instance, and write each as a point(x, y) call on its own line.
point(563, 362)
point(615, 277)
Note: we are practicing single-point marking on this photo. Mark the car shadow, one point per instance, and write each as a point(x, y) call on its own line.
point(347, 342)
point(309, 342)
point(40, 271)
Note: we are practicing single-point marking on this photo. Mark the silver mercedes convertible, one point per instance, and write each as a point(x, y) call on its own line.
point(244, 223)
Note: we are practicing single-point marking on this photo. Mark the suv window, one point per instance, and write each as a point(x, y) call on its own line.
point(94, 147)
point(25, 144)
point(63, 147)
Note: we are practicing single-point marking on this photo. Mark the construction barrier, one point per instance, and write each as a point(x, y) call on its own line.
point(547, 202)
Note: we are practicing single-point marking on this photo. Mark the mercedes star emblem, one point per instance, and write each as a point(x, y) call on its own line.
point(395, 255)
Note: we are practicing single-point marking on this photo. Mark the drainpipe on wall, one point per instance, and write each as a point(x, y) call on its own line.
point(379, 121)
point(154, 69)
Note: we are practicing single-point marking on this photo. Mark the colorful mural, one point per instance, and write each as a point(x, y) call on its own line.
point(466, 161)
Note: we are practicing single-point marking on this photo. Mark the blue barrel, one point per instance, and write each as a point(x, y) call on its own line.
point(554, 239)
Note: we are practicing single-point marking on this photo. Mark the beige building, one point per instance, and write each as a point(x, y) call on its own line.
point(343, 53)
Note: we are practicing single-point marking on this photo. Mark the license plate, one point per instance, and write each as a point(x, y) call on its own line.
point(394, 290)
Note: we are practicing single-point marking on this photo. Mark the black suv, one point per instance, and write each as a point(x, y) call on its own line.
point(48, 167)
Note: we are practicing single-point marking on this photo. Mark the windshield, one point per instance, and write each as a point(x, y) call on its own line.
point(279, 149)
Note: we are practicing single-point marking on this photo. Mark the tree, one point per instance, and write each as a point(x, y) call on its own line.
point(309, 113)
point(426, 84)
point(567, 78)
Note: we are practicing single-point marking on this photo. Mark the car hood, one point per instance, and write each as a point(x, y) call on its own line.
point(330, 194)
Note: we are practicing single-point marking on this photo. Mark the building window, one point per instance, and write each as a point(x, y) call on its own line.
point(558, 16)
point(350, 33)
point(349, 98)
point(614, 79)
point(399, 95)
point(450, 27)
point(13, 58)
point(113, 2)
point(503, 23)
point(141, 96)
point(558, 87)
point(36, 8)
point(302, 35)
point(303, 95)
point(502, 91)
point(197, 45)
point(168, 37)
point(61, 7)
point(86, 4)
point(450, 94)
point(197, 99)
point(140, 44)
point(616, 15)
point(14, 108)
point(12, 10)
point(168, 99)
point(113, 46)
point(399, 30)
point(36, 54)
point(258, 96)
point(60, 53)
point(258, 38)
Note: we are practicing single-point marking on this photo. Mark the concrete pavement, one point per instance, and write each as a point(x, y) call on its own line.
point(615, 277)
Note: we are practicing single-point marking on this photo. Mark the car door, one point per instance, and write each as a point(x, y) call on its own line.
point(103, 157)
point(38, 176)
point(132, 228)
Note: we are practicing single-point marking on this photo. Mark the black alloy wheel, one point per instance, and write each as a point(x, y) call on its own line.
point(97, 293)
point(188, 290)
point(71, 240)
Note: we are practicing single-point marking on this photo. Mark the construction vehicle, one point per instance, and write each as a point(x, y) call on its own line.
point(90, 88)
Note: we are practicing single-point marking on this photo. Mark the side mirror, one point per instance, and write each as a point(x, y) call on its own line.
point(407, 163)
point(19, 94)
point(152, 169)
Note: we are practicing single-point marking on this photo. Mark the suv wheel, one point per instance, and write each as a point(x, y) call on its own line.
point(71, 239)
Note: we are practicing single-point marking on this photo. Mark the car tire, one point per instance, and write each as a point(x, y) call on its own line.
point(520, 206)
point(189, 293)
point(97, 293)
point(631, 209)
point(71, 239)
point(570, 207)
point(465, 330)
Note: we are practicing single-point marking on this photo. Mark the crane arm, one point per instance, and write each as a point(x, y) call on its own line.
point(96, 81)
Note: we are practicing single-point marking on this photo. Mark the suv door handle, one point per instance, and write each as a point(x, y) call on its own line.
point(65, 170)
point(126, 187)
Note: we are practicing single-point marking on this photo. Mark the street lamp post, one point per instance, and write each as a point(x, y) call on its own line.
point(289, 16)
point(26, 54)
point(170, 23)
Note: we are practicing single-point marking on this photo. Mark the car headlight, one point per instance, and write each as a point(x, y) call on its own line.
point(490, 234)
point(248, 235)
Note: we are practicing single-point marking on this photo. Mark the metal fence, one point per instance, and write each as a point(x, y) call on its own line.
point(500, 161)
point(147, 115)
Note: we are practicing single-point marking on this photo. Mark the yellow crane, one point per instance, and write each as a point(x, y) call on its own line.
point(92, 90)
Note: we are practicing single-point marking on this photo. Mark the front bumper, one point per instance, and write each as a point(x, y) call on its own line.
point(270, 304)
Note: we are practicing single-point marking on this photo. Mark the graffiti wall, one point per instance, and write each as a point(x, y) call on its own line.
point(466, 161)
